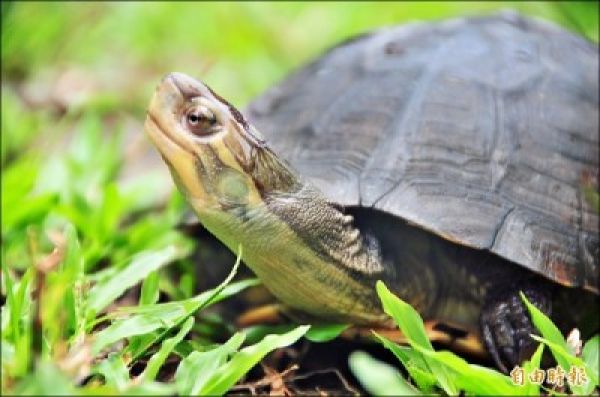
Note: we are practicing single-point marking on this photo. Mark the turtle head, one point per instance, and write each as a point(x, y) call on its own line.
point(217, 159)
point(247, 197)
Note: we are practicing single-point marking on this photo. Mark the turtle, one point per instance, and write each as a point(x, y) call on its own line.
point(448, 159)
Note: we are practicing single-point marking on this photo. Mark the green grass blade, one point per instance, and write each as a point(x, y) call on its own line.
point(46, 380)
point(379, 378)
point(199, 305)
point(137, 325)
point(414, 363)
point(73, 268)
point(411, 324)
point(407, 318)
point(101, 295)
point(549, 331)
point(530, 388)
point(590, 356)
point(153, 317)
point(165, 316)
point(158, 359)
point(565, 356)
point(19, 327)
point(72, 262)
point(205, 298)
point(11, 329)
point(136, 343)
point(256, 333)
point(149, 294)
point(569, 360)
point(114, 371)
point(325, 332)
point(471, 378)
point(554, 339)
point(228, 374)
point(27, 211)
point(198, 367)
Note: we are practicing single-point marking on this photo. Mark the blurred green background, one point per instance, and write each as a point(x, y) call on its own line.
point(62, 58)
point(76, 78)
point(108, 56)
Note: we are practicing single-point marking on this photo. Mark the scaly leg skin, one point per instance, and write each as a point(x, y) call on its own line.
point(506, 325)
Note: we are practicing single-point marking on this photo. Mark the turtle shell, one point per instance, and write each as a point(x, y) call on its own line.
point(482, 130)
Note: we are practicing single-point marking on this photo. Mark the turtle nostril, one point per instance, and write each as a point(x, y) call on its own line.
point(177, 79)
point(169, 76)
point(186, 85)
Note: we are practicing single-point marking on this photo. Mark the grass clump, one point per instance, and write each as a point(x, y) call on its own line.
point(82, 273)
point(434, 372)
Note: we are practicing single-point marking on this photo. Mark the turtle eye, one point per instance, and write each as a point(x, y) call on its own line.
point(201, 121)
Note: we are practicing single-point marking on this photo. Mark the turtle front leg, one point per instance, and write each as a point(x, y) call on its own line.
point(506, 325)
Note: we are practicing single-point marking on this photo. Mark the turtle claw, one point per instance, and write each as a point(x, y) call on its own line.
point(498, 339)
point(506, 327)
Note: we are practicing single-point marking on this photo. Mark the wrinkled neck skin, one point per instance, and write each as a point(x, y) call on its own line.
point(304, 249)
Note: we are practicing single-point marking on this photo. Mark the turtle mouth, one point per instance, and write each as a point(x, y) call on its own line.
point(179, 157)
point(161, 124)
point(165, 142)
